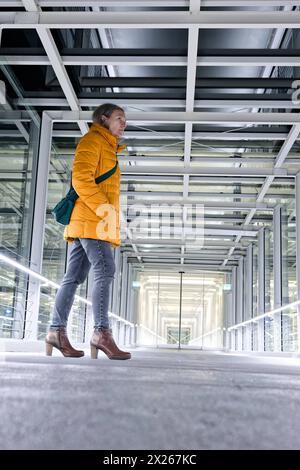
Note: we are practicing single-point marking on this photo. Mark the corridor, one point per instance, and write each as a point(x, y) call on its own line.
point(161, 399)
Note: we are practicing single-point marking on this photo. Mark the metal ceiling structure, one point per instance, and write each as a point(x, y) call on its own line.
point(208, 91)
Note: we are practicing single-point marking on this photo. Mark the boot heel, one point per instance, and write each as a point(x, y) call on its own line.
point(94, 352)
point(49, 349)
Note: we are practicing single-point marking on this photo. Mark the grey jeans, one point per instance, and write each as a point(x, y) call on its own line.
point(84, 253)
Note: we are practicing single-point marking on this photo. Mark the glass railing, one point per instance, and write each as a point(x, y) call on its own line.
point(262, 329)
point(17, 316)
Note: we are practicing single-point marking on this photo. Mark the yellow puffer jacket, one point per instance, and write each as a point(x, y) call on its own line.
point(96, 213)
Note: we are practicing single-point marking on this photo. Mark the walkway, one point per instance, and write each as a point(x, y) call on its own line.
point(161, 399)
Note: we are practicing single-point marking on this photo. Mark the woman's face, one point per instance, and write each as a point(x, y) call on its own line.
point(116, 123)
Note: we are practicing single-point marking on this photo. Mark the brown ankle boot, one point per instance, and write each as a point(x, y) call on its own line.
point(59, 339)
point(103, 339)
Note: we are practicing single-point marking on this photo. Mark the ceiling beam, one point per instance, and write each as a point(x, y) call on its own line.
point(151, 20)
point(152, 3)
point(224, 206)
point(210, 135)
point(163, 117)
point(199, 257)
point(195, 197)
point(208, 242)
point(193, 34)
point(167, 3)
point(138, 169)
point(199, 159)
point(160, 60)
point(148, 101)
point(171, 82)
point(187, 267)
point(59, 69)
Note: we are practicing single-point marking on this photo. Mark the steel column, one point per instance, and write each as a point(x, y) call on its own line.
point(261, 289)
point(248, 295)
point(124, 287)
point(277, 269)
point(38, 230)
point(233, 345)
point(298, 252)
point(240, 300)
point(116, 283)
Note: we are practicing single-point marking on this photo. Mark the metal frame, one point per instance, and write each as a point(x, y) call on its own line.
point(261, 288)
point(277, 260)
point(151, 20)
point(298, 252)
point(149, 3)
point(38, 231)
point(192, 20)
point(161, 61)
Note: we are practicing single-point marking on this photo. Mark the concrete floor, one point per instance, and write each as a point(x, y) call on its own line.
point(161, 399)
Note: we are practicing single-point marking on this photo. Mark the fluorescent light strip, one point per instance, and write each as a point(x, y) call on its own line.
point(15, 264)
point(264, 315)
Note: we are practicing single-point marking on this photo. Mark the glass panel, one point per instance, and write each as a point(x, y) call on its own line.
point(158, 307)
point(13, 292)
point(255, 281)
point(291, 255)
point(254, 336)
point(168, 310)
point(269, 276)
point(289, 330)
point(269, 334)
point(17, 160)
point(202, 310)
point(76, 325)
point(147, 308)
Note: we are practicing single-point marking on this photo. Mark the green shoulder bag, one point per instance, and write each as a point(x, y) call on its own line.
point(63, 210)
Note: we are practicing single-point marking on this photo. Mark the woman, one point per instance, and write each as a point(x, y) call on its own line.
point(94, 227)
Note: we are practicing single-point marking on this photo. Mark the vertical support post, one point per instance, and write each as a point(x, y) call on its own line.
point(277, 267)
point(135, 334)
point(261, 271)
point(133, 299)
point(261, 289)
point(116, 283)
point(129, 294)
point(227, 303)
point(284, 254)
point(180, 309)
point(297, 183)
point(249, 296)
point(38, 229)
point(124, 287)
point(122, 332)
point(233, 344)
point(157, 323)
point(132, 335)
point(240, 300)
point(249, 283)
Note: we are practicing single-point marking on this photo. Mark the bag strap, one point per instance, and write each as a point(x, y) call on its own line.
point(106, 175)
point(100, 178)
